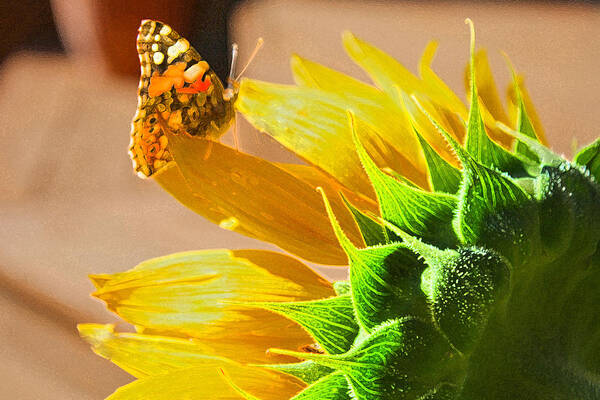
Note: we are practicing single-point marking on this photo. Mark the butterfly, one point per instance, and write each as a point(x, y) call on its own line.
point(178, 94)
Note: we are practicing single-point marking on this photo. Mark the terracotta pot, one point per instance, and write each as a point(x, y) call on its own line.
point(103, 32)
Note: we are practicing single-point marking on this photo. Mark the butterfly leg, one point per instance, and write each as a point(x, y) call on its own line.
point(236, 140)
point(208, 150)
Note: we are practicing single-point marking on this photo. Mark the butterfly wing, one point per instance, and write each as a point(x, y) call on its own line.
point(178, 93)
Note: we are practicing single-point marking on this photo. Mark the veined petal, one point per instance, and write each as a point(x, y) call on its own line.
point(490, 103)
point(437, 88)
point(529, 106)
point(193, 294)
point(383, 69)
point(382, 112)
point(207, 382)
point(394, 79)
point(172, 180)
point(311, 74)
point(332, 188)
point(486, 87)
point(253, 196)
point(388, 74)
point(145, 355)
point(312, 123)
point(424, 127)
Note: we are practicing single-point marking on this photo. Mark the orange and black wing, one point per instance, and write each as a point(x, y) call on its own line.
point(178, 93)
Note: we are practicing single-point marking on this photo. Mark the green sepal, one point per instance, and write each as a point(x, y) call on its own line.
point(331, 387)
point(543, 154)
point(341, 287)
point(416, 211)
point(307, 371)
point(569, 211)
point(486, 151)
point(495, 212)
point(400, 359)
point(589, 157)
point(384, 279)
point(443, 176)
point(385, 284)
point(329, 321)
point(524, 124)
point(462, 287)
point(372, 232)
point(477, 143)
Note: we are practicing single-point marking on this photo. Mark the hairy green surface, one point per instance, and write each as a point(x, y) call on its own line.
point(485, 288)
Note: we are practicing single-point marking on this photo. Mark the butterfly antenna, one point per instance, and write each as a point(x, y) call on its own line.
point(229, 92)
point(259, 44)
point(234, 57)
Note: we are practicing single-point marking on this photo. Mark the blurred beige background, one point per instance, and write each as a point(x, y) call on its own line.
point(70, 204)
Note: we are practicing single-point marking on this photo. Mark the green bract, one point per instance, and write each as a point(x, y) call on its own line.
point(486, 288)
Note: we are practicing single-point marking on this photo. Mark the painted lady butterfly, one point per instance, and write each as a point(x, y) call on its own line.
point(178, 93)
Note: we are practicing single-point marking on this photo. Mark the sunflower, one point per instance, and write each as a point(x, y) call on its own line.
point(472, 250)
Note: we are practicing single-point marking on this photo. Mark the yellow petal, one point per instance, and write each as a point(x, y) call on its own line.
point(311, 74)
point(208, 383)
point(437, 89)
point(332, 188)
point(312, 123)
point(490, 104)
point(531, 111)
point(145, 355)
point(256, 196)
point(171, 179)
point(192, 294)
point(486, 87)
point(383, 69)
point(381, 112)
point(424, 126)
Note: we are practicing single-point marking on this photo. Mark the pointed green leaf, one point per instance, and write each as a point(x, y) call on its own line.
point(444, 177)
point(421, 213)
point(331, 387)
point(384, 280)
point(589, 157)
point(385, 284)
point(398, 360)
point(478, 144)
point(524, 125)
point(372, 232)
point(544, 154)
point(494, 211)
point(330, 321)
point(307, 371)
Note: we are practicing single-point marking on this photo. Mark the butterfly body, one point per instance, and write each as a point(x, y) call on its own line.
point(178, 94)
